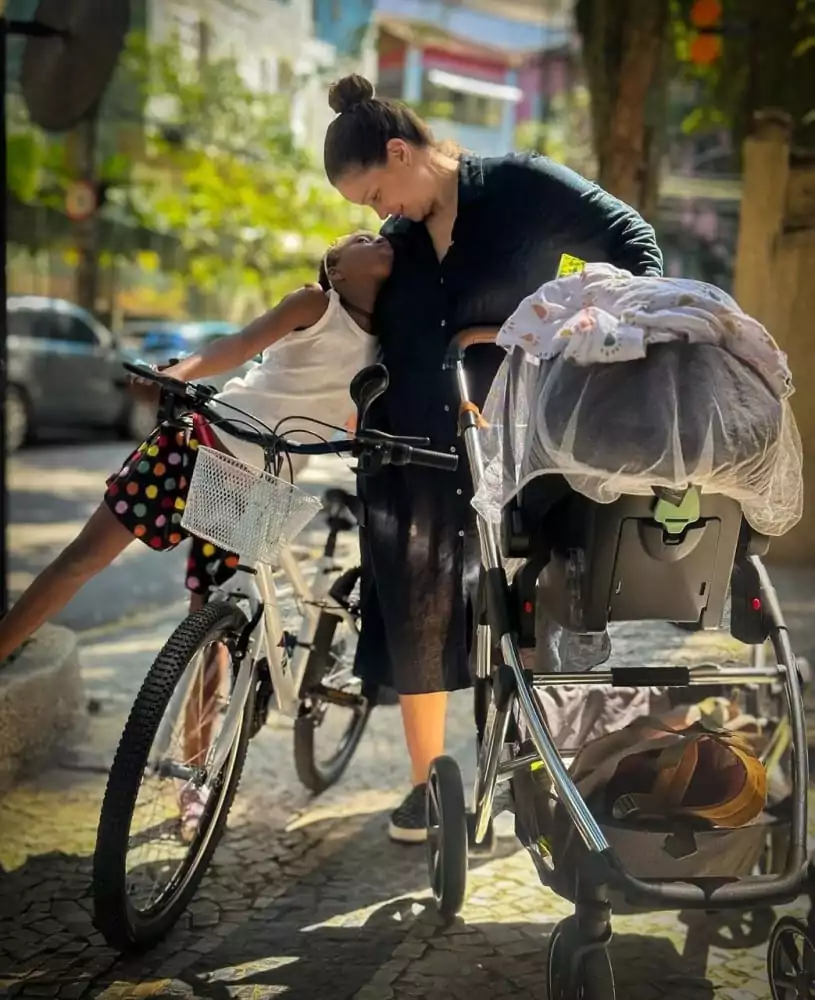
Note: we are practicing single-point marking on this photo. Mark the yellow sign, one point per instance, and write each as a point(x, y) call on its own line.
point(569, 265)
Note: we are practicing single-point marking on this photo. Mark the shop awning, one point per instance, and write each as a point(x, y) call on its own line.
point(471, 85)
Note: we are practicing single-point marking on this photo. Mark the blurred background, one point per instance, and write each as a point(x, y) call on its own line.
point(190, 196)
point(202, 160)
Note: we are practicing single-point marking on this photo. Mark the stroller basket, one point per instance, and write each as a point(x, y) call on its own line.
point(655, 850)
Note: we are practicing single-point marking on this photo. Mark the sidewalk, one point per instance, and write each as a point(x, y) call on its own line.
point(307, 898)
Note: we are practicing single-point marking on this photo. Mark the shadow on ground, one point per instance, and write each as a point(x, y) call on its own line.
point(317, 913)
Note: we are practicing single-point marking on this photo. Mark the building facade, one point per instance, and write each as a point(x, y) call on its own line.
point(275, 46)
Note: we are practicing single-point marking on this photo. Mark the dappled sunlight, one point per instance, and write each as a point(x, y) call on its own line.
point(50, 816)
point(62, 482)
point(144, 643)
point(362, 802)
point(25, 538)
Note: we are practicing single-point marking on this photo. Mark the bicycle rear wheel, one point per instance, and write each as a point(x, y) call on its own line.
point(335, 710)
point(190, 666)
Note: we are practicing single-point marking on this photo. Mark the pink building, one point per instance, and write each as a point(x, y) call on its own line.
point(473, 93)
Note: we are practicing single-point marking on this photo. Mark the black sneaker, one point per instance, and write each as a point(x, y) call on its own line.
point(408, 823)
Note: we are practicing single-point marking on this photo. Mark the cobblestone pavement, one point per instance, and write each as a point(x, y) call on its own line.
point(307, 898)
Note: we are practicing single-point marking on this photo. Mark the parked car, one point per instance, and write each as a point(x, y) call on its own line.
point(64, 370)
point(155, 343)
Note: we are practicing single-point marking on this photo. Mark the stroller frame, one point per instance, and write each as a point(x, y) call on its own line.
point(578, 964)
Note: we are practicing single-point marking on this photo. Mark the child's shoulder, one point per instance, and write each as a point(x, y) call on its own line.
point(306, 306)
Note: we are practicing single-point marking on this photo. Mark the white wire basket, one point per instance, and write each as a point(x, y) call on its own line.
point(242, 509)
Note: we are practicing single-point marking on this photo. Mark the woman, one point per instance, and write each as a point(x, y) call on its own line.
point(472, 238)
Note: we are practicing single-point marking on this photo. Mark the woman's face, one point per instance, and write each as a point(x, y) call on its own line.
point(405, 184)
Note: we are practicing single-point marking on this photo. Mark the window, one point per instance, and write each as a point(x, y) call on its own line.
point(65, 326)
point(21, 323)
point(391, 82)
point(464, 109)
point(285, 76)
point(264, 75)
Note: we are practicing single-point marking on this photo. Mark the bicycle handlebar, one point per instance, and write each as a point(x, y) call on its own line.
point(374, 449)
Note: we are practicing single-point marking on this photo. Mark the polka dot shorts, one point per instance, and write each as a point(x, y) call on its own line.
point(148, 495)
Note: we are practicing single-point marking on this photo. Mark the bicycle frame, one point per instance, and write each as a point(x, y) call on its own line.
point(257, 587)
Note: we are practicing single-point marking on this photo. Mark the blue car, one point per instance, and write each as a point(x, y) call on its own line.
point(156, 342)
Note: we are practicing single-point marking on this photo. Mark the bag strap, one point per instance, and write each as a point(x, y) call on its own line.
point(746, 804)
point(676, 766)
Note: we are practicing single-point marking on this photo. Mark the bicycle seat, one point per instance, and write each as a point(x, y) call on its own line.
point(344, 508)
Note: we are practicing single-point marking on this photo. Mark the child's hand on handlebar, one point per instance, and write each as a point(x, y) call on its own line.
point(146, 389)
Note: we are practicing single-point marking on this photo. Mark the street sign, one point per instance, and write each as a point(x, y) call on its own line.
point(81, 200)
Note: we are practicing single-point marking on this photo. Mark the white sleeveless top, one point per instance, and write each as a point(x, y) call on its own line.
point(305, 375)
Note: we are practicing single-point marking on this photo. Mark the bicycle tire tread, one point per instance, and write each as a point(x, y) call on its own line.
point(110, 898)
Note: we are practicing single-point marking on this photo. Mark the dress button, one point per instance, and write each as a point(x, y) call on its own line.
point(458, 492)
point(461, 534)
point(444, 322)
point(446, 409)
point(453, 449)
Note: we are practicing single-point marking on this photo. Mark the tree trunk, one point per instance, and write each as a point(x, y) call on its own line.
point(626, 52)
point(86, 231)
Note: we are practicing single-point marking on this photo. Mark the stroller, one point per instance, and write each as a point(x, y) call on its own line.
point(674, 556)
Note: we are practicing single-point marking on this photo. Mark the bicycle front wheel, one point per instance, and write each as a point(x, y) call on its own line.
point(148, 863)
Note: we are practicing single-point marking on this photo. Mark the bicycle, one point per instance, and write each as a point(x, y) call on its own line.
point(252, 513)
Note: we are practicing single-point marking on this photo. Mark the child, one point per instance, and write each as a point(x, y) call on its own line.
point(313, 344)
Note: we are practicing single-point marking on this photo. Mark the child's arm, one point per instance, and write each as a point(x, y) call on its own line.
point(297, 311)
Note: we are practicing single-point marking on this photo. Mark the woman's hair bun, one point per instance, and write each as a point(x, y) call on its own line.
point(349, 92)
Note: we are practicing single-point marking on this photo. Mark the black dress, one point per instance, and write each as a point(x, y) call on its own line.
point(516, 216)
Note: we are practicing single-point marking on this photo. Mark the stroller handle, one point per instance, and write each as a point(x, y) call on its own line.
point(467, 338)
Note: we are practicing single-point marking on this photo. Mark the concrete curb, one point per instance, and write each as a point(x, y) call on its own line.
point(41, 697)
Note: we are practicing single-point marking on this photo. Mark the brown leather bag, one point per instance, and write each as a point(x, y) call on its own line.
point(701, 772)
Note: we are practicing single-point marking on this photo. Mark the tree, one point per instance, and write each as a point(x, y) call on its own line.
point(220, 171)
point(566, 133)
point(762, 55)
point(627, 55)
point(225, 175)
point(767, 61)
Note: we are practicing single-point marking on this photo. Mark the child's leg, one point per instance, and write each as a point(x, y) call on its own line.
point(96, 546)
point(206, 567)
point(202, 703)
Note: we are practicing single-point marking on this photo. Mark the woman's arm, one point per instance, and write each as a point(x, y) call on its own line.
point(297, 311)
point(590, 217)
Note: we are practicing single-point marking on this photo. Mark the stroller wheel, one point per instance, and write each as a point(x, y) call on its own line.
point(575, 970)
point(446, 836)
point(791, 960)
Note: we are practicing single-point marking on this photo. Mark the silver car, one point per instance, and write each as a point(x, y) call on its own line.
point(64, 370)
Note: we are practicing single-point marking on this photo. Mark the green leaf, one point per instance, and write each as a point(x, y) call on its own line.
point(24, 163)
